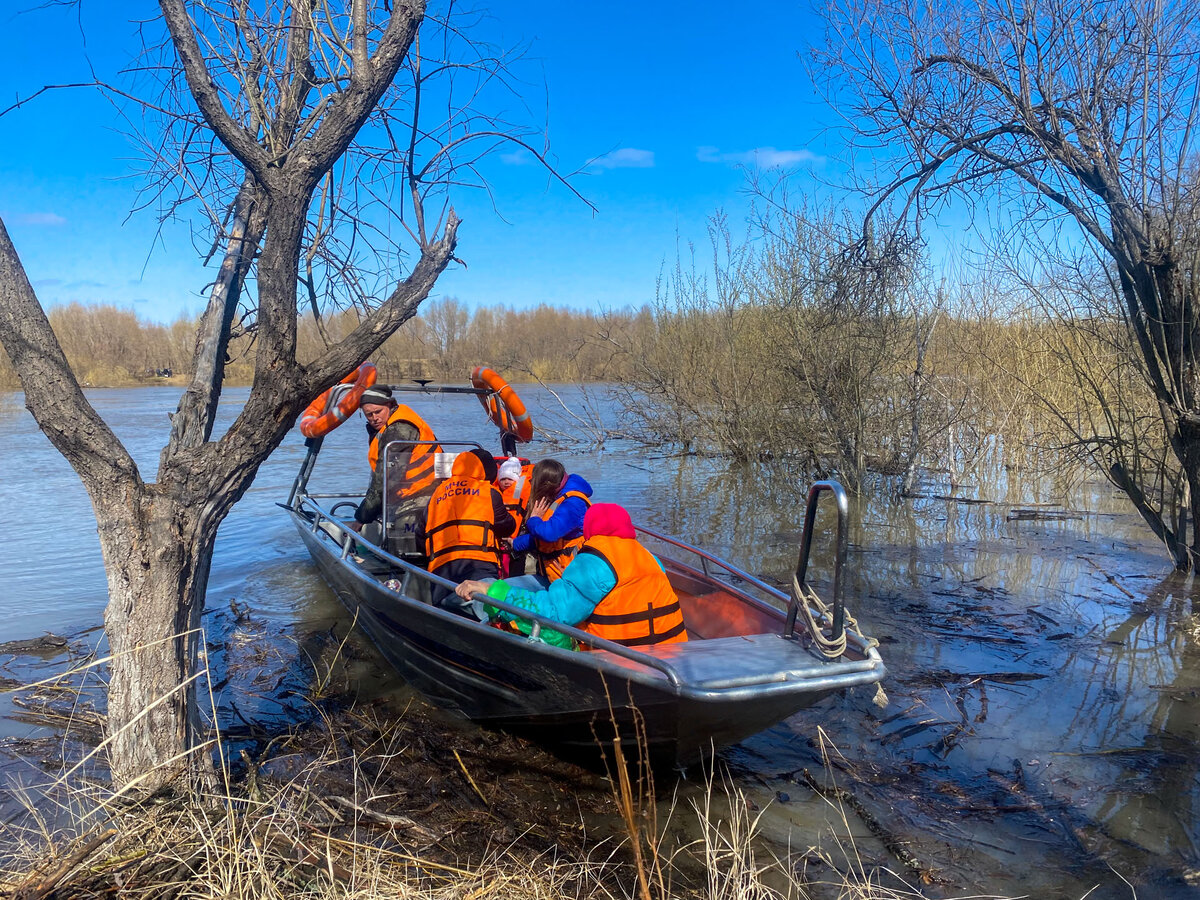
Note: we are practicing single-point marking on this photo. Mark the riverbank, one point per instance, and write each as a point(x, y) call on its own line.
point(358, 802)
point(373, 797)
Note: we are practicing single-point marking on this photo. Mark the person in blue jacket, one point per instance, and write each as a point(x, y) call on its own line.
point(554, 526)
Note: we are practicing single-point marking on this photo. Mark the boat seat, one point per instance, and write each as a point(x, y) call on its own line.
point(728, 662)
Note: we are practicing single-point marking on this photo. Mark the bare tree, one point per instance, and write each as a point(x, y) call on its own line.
point(298, 170)
point(446, 323)
point(850, 325)
point(1081, 118)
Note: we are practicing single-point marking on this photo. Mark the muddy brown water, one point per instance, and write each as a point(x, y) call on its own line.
point(1042, 734)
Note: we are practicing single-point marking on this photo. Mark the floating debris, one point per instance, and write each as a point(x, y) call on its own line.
point(47, 643)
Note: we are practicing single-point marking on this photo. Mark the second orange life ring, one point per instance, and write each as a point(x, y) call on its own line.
point(318, 421)
point(502, 404)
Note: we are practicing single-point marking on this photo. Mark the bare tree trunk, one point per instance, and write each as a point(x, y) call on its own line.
point(1188, 441)
point(1162, 530)
point(1070, 112)
point(918, 402)
point(157, 563)
point(157, 538)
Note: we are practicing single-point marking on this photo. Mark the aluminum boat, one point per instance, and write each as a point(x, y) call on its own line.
point(755, 654)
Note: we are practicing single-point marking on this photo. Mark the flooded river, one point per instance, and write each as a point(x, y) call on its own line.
point(1042, 734)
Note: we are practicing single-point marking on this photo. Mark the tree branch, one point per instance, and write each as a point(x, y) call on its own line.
point(52, 393)
point(239, 141)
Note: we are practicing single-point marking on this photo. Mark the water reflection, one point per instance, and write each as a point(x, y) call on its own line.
point(1152, 801)
point(1043, 686)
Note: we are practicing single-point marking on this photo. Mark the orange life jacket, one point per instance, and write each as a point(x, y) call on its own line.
point(460, 522)
point(643, 608)
point(554, 556)
point(516, 496)
point(419, 474)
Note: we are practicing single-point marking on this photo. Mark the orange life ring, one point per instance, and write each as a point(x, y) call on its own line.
point(318, 421)
point(502, 404)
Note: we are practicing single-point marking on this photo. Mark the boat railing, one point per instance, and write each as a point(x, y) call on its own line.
point(708, 562)
point(346, 539)
point(537, 622)
point(801, 592)
point(313, 445)
point(405, 446)
point(834, 619)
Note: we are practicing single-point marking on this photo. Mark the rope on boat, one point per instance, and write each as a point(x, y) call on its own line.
point(807, 600)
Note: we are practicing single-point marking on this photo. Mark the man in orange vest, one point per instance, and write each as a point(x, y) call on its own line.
point(613, 588)
point(409, 478)
point(463, 527)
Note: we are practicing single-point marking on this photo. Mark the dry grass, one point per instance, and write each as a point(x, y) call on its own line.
point(318, 819)
point(281, 843)
point(264, 834)
point(261, 836)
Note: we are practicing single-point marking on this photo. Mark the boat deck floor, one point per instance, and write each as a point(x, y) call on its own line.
point(727, 662)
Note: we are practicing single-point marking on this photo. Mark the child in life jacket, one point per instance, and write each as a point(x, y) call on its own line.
point(554, 520)
point(463, 526)
point(514, 479)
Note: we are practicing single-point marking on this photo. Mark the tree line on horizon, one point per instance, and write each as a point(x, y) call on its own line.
point(777, 348)
point(110, 346)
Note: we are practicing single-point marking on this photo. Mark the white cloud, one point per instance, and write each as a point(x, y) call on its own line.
point(761, 157)
point(520, 157)
point(625, 158)
point(39, 218)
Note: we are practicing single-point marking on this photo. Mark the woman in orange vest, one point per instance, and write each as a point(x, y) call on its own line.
point(463, 526)
point(554, 524)
point(614, 588)
point(409, 473)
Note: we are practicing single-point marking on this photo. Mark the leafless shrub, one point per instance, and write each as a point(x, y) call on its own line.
point(804, 343)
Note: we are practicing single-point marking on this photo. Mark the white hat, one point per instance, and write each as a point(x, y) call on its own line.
point(510, 468)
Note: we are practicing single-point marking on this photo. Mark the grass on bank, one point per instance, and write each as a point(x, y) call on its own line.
point(269, 837)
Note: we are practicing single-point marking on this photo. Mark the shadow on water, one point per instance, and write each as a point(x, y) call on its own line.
point(1042, 734)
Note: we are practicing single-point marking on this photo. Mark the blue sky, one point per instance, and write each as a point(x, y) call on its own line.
point(674, 98)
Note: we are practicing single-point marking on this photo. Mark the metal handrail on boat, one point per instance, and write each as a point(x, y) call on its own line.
point(349, 537)
point(313, 445)
point(800, 587)
point(709, 558)
point(789, 601)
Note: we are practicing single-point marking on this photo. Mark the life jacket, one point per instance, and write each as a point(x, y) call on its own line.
point(554, 556)
point(643, 608)
point(460, 522)
point(419, 474)
point(516, 496)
